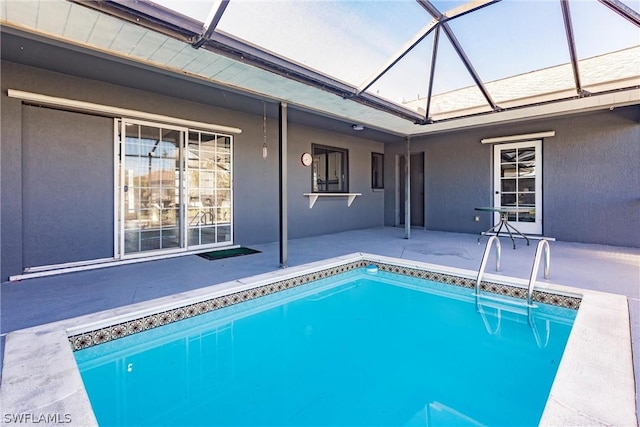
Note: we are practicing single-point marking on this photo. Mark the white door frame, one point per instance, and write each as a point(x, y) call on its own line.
point(182, 185)
point(525, 227)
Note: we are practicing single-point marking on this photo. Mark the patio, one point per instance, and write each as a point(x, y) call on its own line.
point(42, 300)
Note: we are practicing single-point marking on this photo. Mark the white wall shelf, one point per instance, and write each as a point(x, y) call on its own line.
point(314, 196)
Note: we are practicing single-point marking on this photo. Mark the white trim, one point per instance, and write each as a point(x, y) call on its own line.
point(183, 213)
point(396, 174)
point(119, 221)
point(73, 104)
point(105, 262)
point(522, 137)
point(149, 253)
point(232, 222)
point(73, 264)
point(159, 125)
point(117, 179)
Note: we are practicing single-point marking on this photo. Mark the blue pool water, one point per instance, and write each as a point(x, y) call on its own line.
point(357, 349)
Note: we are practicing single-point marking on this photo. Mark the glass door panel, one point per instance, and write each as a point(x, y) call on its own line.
point(209, 189)
point(224, 193)
point(518, 183)
point(151, 168)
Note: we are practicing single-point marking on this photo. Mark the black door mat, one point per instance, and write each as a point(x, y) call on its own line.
point(228, 253)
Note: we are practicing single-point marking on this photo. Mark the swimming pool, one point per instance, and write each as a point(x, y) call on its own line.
point(350, 349)
point(594, 379)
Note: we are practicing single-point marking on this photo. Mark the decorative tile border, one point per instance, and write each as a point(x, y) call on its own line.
point(491, 287)
point(120, 330)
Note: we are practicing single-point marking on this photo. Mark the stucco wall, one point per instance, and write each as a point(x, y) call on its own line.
point(255, 178)
point(591, 184)
point(332, 214)
point(592, 179)
point(457, 176)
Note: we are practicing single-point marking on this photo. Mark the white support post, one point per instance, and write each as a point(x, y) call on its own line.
point(407, 191)
point(283, 186)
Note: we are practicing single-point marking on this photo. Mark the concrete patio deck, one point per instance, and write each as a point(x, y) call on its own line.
point(37, 301)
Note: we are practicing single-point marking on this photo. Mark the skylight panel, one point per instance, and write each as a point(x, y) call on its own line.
point(607, 45)
point(519, 49)
point(513, 37)
point(599, 30)
point(408, 80)
point(454, 89)
point(450, 73)
point(345, 40)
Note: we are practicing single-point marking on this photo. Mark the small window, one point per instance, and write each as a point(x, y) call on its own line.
point(330, 170)
point(377, 170)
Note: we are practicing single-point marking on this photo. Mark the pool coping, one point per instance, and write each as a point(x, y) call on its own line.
point(594, 383)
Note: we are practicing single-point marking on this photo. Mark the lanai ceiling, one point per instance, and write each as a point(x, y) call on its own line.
point(405, 67)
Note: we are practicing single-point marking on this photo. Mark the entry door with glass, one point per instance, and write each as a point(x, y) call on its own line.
point(518, 183)
point(167, 204)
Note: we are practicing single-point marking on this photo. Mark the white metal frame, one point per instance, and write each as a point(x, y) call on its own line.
point(117, 123)
point(119, 153)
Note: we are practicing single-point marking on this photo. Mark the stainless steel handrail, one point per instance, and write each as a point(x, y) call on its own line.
point(485, 257)
point(534, 328)
point(542, 245)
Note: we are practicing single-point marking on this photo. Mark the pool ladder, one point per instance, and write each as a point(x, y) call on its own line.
point(542, 341)
point(485, 258)
point(541, 249)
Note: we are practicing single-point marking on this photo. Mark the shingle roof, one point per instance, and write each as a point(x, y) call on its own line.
point(600, 73)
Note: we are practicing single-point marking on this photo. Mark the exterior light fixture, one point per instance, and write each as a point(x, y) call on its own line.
point(357, 127)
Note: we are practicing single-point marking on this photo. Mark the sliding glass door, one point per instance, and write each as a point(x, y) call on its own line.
point(173, 189)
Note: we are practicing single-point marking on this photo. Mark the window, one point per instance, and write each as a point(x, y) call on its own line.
point(330, 170)
point(377, 170)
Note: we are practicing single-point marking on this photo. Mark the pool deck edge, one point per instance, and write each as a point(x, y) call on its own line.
point(41, 383)
point(594, 383)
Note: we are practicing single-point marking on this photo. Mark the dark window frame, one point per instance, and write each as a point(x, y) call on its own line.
point(315, 149)
point(377, 184)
